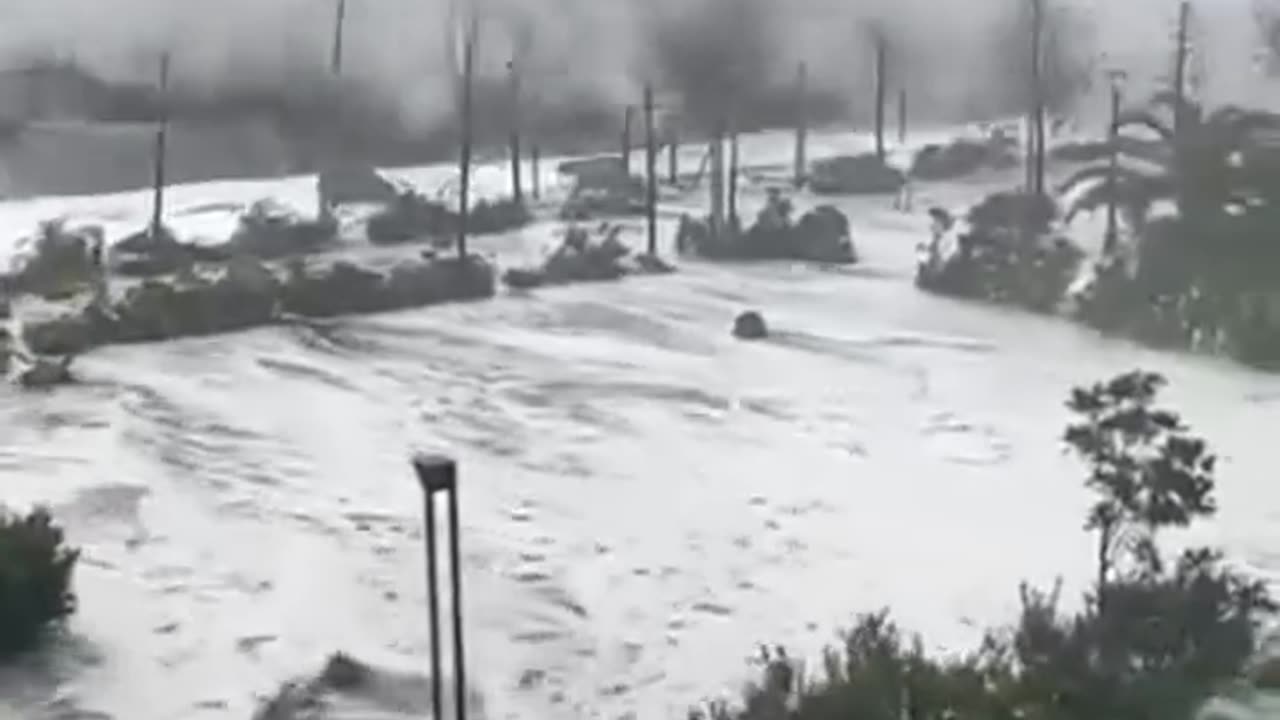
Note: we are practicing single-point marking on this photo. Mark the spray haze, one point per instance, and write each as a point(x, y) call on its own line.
point(957, 58)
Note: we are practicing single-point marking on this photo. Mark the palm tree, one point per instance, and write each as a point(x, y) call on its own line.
point(1209, 167)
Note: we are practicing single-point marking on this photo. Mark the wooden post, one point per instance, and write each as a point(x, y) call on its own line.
point(340, 18)
point(881, 89)
point(162, 133)
point(464, 159)
point(626, 140)
point(517, 188)
point(716, 186)
point(800, 170)
point(535, 158)
point(651, 171)
point(902, 116)
point(1181, 53)
point(732, 215)
point(1038, 101)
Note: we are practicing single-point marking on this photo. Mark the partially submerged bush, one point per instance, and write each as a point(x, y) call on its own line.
point(35, 579)
point(583, 258)
point(59, 264)
point(821, 235)
point(855, 175)
point(413, 217)
point(1154, 639)
point(270, 230)
point(1010, 253)
point(964, 157)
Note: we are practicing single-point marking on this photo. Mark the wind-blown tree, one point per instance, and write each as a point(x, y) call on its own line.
point(1207, 172)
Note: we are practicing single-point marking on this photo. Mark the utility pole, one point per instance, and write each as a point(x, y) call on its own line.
point(651, 171)
point(1037, 145)
point(1181, 53)
point(800, 169)
point(162, 134)
point(517, 187)
point(902, 116)
point(626, 140)
point(881, 73)
point(464, 159)
point(1112, 237)
point(340, 18)
point(732, 124)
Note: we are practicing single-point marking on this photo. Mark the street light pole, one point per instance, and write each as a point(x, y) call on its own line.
point(651, 171)
point(438, 474)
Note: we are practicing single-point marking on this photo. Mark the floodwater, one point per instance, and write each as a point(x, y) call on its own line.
point(644, 499)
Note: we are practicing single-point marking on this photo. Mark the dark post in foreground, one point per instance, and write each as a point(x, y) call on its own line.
point(464, 159)
point(517, 187)
point(802, 124)
point(162, 134)
point(1112, 237)
point(650, 171)
point(626, 140)
point(437, 474)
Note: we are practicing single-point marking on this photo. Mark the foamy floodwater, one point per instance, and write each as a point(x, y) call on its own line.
point(644, 499)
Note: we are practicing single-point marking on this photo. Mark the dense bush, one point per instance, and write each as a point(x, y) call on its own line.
point(35, 579)
point(1154, 638)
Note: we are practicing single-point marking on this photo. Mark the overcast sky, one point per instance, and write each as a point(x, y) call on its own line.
point(600, 44)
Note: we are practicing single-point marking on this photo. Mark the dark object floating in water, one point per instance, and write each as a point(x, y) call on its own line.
point(855, 175)
point(580, 259)
point(47, 372)
point(750, 325)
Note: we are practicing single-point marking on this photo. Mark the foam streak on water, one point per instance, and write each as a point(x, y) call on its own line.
point(644, 498)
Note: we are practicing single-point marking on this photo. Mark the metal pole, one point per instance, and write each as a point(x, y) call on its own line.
point(455, 565)
point(439, 474)
point(162, 133)
point(802, 125)
point(464, 161)
point(517, 189)
point(433, 604)
point(651, 171)
point(626, 140)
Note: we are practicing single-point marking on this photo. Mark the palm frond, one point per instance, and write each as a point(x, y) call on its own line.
point(1146, 119)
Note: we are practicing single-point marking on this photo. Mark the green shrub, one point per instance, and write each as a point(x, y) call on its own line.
point(1155, 637)
point(35, 579)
